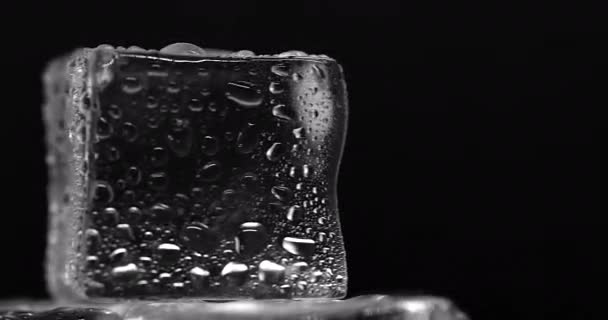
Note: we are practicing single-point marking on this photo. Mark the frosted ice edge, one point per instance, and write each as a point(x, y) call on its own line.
point(188, 49)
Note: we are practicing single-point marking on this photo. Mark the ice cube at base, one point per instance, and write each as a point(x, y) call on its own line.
point(194, 176)
point(368, 307)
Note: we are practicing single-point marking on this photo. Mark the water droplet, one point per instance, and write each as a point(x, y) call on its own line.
point(321, 237)
point(299, 246)
point(211, 171)
point(282, 112)
point(321, 220)
point(282, 193)
point(280, 70)
point(247, 139)
point(235, 273)
point(125, 231)
point(195, 105)
point(316, 276)
point(275, 151)
point(180, 142)
point(184, 49)
point(251, 239)
point(292, 53)
point(306, 171)
point(162, 213)
point(104, 128)
point(133, 176)
point(159, 156)
point(125, 273)
point(133, 213)
point(173, 87)
point(229, 195)
point(131, 85)
point(300, 266)
point(299, 133)
point(276, 87)
point(93, 238)
point(129, 131)
point(210, 145)
point(92, 260)
point(295, 213)
point(270, 272)
point(244, 94)
point(152, 102)
point(199, 277)
point(103, 192)
point(110, 214)
point(199, 237)
point(118, 255)
point(158, 181)
point(169, 252)
point(318, 71)
point(249, 180)
point(114, 111)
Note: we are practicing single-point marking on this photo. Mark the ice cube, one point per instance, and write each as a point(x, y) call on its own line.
point(370, 307)
point(201, 176)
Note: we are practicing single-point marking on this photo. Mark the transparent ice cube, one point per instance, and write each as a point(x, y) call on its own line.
point(371, 307)
point(193, 176)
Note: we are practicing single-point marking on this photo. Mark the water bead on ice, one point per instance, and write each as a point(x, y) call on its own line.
point(182, 48)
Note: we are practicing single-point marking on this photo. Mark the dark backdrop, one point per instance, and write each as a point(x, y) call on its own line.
point(469, 167)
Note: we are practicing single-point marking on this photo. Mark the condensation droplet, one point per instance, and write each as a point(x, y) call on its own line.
point(114, 111)
point(159, 156)
point(281, 70)
point(162, 212)
point(103, 192)
point(276, 87)
point(247, 139)
point(199, 237)
point(251, 239)
point(299, 133)
point(282, 193)
point(129, 131)
point(210, 145)
point(104, 128)
point(236, 273)
point(270, 272)
point(299, 246)
point(124, 231)
point(282, 112)
point(158, 181)
point(118, 255)
point(295, 213)
point(131, 85)
point(211, 171)
point(125, 273)
point(169, 252)
point(244, 94)
point(199, 277)
point(180, 142)
point(133, 176)
point(183, 48)
point(275, 151)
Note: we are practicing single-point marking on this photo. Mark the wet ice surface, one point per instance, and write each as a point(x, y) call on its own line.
point(372, 307)
point(175, 176)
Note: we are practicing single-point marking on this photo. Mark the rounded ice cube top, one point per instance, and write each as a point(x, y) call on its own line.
point(192, 50)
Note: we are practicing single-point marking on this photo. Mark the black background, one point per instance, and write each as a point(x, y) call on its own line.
point(469, 170)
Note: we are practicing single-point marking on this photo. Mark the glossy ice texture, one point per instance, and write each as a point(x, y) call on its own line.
point(373, 307)
point(185, 176)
